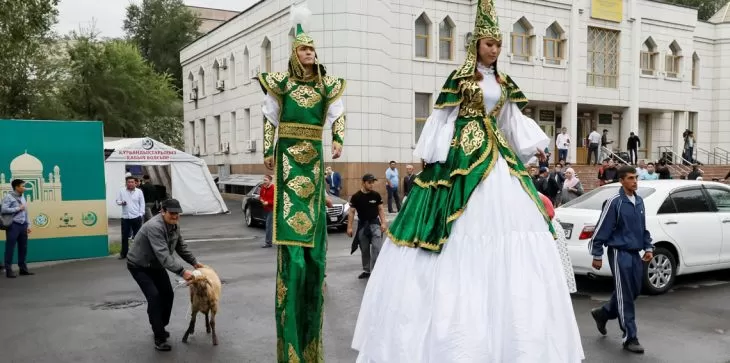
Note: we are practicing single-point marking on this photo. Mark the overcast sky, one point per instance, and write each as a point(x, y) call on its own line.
point(108, 15)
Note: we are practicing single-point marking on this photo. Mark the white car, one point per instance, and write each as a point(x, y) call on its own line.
point(689, 222)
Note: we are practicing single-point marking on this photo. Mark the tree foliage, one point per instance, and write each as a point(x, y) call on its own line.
point(160, 28)
point(110, 81)
point(705, 8)
point(25, 33)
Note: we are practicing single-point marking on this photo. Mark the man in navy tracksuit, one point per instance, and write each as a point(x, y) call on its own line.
point(622, 227)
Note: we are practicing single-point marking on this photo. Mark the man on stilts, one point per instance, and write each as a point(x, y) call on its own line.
point(299, 103)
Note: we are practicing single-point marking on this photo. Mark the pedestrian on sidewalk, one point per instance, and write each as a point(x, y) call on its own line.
point(267, 201)
point(150, 256)
point(14, 203)
point(371, 223)
point(391, 185)
point(622, 227)
point(133, 210)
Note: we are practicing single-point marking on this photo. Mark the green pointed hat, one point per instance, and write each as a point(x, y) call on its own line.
point(486, 26)
point(299, 16)
point(301, 38)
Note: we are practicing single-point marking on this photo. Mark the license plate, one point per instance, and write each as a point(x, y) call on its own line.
point(333, 219)
point(568, 228)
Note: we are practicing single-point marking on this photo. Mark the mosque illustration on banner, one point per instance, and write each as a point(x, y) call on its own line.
point(27, 167)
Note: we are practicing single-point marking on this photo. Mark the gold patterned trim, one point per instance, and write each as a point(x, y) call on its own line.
point(269, 132)
point(267, 81)
point(433, 184)
point(305, 96)
point(287, 167)
point(293, 357)
point(338, 127)
point(472, 138)
point(336, 92)
point(302, 186)
point(280, 291)
point(450, 90)
point(300, 223)
point(287, 205)
point(317, 169)
point(447, 104)
point(416, 242)
point(292, 130)
point(312, 353)
point(303, 152)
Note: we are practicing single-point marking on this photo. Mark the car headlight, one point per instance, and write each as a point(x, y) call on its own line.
point(345, 208)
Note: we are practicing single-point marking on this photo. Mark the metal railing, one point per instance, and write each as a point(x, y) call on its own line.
point(674, 160)
point(722, 154)
point(613, 155)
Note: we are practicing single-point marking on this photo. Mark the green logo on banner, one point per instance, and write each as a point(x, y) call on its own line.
point(89, 219)
point(41, 220)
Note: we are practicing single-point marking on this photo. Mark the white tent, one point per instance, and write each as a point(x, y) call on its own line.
point(191, 181)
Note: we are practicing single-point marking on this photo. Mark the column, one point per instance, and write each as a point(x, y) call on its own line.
point(630, 117)
point(570, 110)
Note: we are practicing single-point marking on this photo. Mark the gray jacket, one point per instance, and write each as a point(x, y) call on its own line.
point(154, 244)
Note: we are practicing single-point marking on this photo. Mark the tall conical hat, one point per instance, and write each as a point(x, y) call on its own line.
point(299, 16)
point(486, 26)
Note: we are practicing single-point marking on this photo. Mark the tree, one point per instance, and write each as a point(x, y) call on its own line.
point(160, 28)
point(111, 82)
point(705, 8)
point(26, 37)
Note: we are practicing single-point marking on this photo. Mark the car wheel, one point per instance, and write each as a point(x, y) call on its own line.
point(660, 272)
point(247, 216)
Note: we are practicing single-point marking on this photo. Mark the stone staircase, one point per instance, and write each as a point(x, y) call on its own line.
point(588, 174)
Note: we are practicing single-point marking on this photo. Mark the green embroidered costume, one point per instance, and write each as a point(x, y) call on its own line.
point(442, 190)
point(299, 105)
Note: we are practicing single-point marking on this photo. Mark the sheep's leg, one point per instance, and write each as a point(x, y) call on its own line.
point(212, 326)
point(191, 327)
point(207, 323)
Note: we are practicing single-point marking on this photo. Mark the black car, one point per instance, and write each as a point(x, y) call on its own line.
point(253, 210)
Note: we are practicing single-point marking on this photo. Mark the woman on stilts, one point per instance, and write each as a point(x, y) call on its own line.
point(470, 271)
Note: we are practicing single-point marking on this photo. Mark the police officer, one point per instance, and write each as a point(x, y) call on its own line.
point(622, 228)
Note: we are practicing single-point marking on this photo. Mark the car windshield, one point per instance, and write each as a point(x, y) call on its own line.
point(595, 198)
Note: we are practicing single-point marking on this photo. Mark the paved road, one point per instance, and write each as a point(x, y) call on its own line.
point(92, 311)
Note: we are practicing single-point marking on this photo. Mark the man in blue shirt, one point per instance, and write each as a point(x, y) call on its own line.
point(622, 228)
point(650, 173)
point(391, 180)
point(17, 232)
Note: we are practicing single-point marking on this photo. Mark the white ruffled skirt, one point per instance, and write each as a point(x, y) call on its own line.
point(496, 293)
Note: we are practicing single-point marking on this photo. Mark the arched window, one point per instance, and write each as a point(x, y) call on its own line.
point(216, 70)
point(201, 82)
point(522, 40)
point(291, 38)
point(695, 70)
point(446, 39)
point(246, 66)
point(266, 55)
point(191, 81)
point(232, 72)
point(673, 65)
point(554, 44)
point(648, 57)
point(423, 40)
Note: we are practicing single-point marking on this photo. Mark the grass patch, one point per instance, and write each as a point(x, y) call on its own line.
point(115, 248)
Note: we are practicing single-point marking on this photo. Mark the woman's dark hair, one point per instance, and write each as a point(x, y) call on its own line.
point(478, 76)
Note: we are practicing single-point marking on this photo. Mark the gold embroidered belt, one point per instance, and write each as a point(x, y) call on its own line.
point(293, 130)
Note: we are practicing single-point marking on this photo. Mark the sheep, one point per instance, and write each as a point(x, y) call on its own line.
point(205, 293)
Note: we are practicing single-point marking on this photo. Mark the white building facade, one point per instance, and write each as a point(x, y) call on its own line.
point(626, 66)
